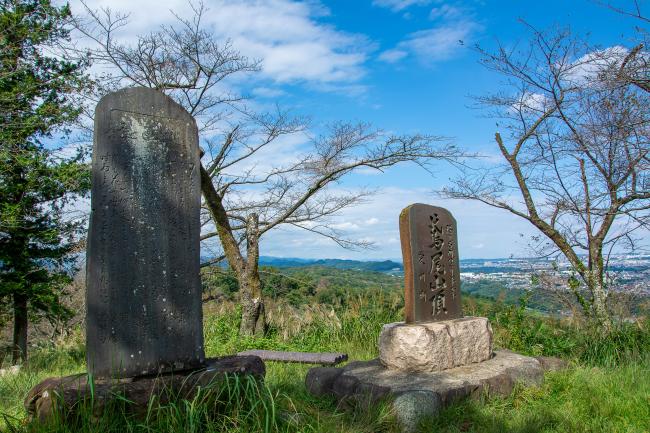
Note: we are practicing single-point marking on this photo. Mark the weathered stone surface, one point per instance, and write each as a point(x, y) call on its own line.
point(411, 406)
point(143, 290)
point(67, 393)
point(368, 394)
point(323, 358)
point(418, 394)
point(344, 386)
point(435, 346)
point(431, 271)
point(551, 363)
point(319, 380)
point(454, 382)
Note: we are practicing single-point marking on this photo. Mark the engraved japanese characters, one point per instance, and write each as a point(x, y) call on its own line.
point(431, 271)
point(143, 289)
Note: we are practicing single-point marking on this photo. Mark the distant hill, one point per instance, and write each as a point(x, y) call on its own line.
point(374, 266)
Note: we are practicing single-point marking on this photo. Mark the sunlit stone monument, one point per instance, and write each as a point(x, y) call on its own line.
point(435, 335)
point(431, 271)
point(436, 355)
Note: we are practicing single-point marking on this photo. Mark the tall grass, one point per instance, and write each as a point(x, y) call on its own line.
point(517, 328)
point(234, 404)
point(607, 388)
point(353, 329)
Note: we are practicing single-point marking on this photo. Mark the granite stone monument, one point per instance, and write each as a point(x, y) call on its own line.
point(143, 296)
point(434, 336)
point(436, 355)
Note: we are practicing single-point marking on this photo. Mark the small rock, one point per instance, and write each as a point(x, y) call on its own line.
point(412, 406)
point(319, 380)
point(552, 363)
point(14, 369)
point(345, 386)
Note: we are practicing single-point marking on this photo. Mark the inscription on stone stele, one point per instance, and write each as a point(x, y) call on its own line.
point(431, 270)
point(142, 266)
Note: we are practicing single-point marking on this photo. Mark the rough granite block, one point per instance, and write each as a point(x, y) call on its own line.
point(435, 346)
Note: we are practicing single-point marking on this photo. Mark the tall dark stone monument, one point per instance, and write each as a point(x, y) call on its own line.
point(431, 271)
point(143, 288)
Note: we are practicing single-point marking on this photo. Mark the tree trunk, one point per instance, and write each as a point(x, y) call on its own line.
point(599, 306)
point(250, 286)
point(19, 350)
point(253, 320)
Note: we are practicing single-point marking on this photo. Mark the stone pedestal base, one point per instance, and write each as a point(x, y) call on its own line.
point(414, 395)
point(64, 393)
point(435, 346)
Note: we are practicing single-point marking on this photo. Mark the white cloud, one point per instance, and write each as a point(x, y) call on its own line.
point(433, 45)
point(268, 92)
point(446, 12)
point(531, 102)
point(454, 27)
point(347, 225)
point(286, 35)
point(478, 237)
point(71, 150)
point(399, 5)
point(393, 56)
point(284, 151)
point(588, 67)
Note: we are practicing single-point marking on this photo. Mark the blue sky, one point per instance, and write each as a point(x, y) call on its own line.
point(399, 64)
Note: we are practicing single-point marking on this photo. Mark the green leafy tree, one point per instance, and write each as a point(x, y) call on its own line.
point(37, 99)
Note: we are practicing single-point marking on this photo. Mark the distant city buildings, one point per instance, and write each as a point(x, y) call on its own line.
point(627, 273)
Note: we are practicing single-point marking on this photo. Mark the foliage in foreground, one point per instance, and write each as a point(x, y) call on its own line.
point(36, 100)
point(606, 389)
point(236, 404)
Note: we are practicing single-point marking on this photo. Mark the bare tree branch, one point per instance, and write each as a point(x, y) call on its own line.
point(575, 151)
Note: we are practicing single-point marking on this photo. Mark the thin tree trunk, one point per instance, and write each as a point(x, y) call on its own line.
point(250, 296)
point(250, 285)
point(596, 282)
point(599, 306)
point(19, 350)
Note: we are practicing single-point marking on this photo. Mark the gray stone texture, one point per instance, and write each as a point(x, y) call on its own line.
point(143, 289)
point(410, 407)
point(418, 394)
point(319, 380)
point(552, 363)
point(435, 346)
point(64, 395)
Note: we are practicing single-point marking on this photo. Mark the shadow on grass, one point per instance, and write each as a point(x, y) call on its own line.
point(475, 417)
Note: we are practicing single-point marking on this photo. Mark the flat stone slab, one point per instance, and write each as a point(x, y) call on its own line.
point(435, 346)
point(65, 393)
point(323, 358)
point(418, 394)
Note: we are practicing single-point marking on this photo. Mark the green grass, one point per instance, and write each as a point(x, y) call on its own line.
point(581, 399)
point(605, 389)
